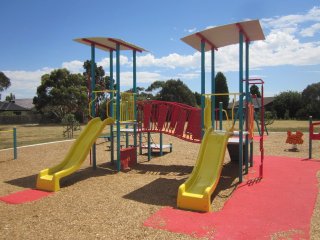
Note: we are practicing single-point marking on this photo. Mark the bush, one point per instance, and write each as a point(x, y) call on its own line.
point(70, 125)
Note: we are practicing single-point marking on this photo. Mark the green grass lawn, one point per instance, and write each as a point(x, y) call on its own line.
point(285, 125)
point(32, 134)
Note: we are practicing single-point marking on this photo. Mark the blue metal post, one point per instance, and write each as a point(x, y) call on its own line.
point(118, 104)
point(135, 97)
point(111, 106)
point(140, 143)
point(127, 134)
point(93, 109)
point(220, 115)
point(246, 149)
point(240, 109)
point(213, 89)
point(203, 82)
point(15, 154)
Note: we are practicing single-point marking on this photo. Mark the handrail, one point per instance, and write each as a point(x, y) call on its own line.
point(5, 131)
point(232, 109)
point(126, 105)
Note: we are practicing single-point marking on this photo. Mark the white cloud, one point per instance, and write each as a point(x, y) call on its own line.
point(191, 30)
point(142, 77)
point(74, 66)
point(310, 31)
point(211, 26)
point(313, 15)
point(105, 63)
point(188, 76)
point(171, 61)
point(24, 83)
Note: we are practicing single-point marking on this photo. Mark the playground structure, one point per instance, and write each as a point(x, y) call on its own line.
point(312, 134)
point(195, 193)
point(176, 119)
point(14, 141)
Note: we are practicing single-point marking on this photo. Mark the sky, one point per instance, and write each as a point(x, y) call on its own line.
point(37, 37)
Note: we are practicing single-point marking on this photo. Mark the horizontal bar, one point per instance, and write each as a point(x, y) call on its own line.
point(254, 81)
point(6, 131)
point(221, 94)
point(102, 91)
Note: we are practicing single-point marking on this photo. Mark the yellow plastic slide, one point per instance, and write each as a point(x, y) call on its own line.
point(49, 179)
point(196, 192)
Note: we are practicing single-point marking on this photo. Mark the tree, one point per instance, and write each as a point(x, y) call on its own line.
point(142, 94)
point(198, 98)
point(287, 104)
point(70, 125)
point(156, 85)
point(102, 82)
point(4, 82)
point(173, 91)
point(61, 93)
point(10, 98)
point(311, 101)
point(222, 87)
point(254, 90)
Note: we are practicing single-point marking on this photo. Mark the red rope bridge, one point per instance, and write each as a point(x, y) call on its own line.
point(176, 119)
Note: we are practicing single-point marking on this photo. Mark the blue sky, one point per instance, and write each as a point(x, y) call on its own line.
point(37, 38)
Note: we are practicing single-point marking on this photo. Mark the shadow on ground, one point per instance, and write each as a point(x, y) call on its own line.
point(226, 184)
point(155, 169)
point(160, 192)
point(80, 175)
point(163, 191)
point(25, 182)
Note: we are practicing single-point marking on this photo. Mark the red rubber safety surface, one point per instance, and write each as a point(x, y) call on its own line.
point(257, 138)
point(24, 196)
point(280, 205)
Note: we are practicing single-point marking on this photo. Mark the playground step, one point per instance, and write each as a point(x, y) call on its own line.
point(47, 183)
point(192, 201)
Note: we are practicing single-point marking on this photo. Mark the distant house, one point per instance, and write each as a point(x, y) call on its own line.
point(18, 111)
point(267, 102)
point(12, 107)
point(25, 102)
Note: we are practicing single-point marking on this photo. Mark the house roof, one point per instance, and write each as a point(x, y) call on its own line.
point(25, 103)
point(11, 106)
point(256, 102)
